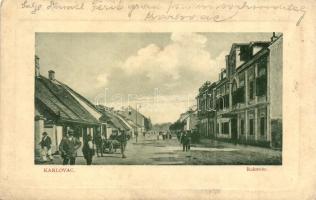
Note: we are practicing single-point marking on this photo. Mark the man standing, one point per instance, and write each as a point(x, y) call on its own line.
point(123, 142)
point(68, 148)
point(99, 144)
point(136, 135)
point(189, 139)
point(88, 150)
point(186, 141)
point(46, 150)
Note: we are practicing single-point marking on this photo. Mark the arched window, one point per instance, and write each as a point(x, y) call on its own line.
point(234, 86)
point(234, 93)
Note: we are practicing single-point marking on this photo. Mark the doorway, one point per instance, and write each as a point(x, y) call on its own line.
point(234, 130)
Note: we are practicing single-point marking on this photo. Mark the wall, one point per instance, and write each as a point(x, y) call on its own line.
point(275, 78)
point(38, 129)
point(275, 94)
point(276, 132)
point(131, 114)
point(108, 132)
point(50, 130)
point(193, 121)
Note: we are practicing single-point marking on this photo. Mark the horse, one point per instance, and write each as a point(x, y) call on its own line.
point(111, 145)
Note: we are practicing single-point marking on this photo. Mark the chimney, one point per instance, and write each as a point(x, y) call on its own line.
point(51, 75)
point(37, 66)
point(273, 37)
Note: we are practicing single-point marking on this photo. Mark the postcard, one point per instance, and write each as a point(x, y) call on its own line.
point(135, 99)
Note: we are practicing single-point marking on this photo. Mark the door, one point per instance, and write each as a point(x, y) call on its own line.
point(234, 130)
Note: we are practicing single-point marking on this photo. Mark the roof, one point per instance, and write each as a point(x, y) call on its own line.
point(252, 43)
point(130, 108)
point(277, 38)
point(258, 55)
point(53, 100)
point(84, 102)
point(112, 118)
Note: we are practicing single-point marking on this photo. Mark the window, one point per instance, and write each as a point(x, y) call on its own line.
point(226, 100)
point(241, 94)
point(225, 128)
point(262, 66)
point(251, 82)
point(211, 103)
point(245, 52)
point(261, 88)
point(251, 126)
point(227, 88)
point(234, 87)
point(261, 81)
point(241, 79)
point(234, 93)
point(251, 89)
point(262, 126)
point(242, 127)
point(217, 128)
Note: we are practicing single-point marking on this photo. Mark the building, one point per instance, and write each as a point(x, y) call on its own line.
point(138, 119)
point(58, 108)
point(187, 121)
point(206, 110)
point(114, 122)
point(190, 122)
point(248, 104)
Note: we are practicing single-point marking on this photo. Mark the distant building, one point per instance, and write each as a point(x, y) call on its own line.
point(114, 121)
point(187, 121)
point(206, 110)
point(143, 123)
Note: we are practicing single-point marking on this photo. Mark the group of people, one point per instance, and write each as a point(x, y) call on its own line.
point(164, 135)
point(69, 146)
point(185, 139)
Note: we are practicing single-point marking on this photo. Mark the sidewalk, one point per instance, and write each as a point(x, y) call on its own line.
point(204, 142)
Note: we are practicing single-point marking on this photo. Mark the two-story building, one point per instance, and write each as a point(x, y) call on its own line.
point(248, 95)
point(142, 122)
point(254, 84)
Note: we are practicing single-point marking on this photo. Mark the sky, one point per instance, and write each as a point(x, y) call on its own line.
point(160, 73)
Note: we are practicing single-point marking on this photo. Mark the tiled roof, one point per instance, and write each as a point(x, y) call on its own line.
point(55, 100)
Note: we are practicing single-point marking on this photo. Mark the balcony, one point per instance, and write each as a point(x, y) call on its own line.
point(206, 114)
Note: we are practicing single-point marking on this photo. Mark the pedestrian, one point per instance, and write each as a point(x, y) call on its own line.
point(123, 141)
point(189, 139)
point(136, 135)
point(184, 141)
point(46, 150)
point(99, 144)
point(68, 148)
point(87, 149)
point(164, 135)
point(178, 136)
